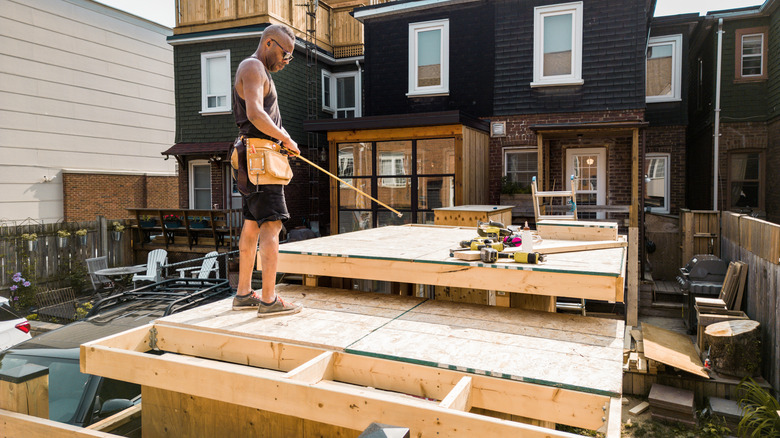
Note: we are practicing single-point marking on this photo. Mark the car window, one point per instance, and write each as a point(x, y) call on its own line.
point(66, 383)
point(6, 314)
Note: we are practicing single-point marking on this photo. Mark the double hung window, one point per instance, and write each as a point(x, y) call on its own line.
point(215, 82)
point(429, 58)
point(558, 45)
point(664, 68)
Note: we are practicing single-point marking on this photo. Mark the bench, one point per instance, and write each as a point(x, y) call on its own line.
point(57, 303)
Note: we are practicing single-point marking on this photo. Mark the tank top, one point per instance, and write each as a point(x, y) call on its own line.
point(270, 105)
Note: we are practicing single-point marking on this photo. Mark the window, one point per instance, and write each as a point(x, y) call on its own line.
point(751, 52)
point(215, 82)
point(745, 181)
point(341, 93)
point(657, 183)
point(664, 67)
point(520, 167)
point(429, 58)
point(558, 45)
point(200, 185)
point(392, 163)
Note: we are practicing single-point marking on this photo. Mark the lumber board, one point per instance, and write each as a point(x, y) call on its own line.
point(326, 401)
point(672, 349)
point(577, 230)
point(119, 419)
point(13, 424)
point(737, 305)
point(638, 409)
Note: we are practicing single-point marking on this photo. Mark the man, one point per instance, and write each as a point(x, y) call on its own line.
point(257, 115)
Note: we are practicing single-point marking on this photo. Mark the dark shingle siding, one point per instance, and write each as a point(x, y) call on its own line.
point(471, 59)
point(740, 101)
point(614, 34)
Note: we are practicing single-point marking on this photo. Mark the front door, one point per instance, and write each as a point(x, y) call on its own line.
point(589, 167)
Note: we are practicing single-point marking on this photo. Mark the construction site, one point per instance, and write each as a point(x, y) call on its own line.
point(520, 248)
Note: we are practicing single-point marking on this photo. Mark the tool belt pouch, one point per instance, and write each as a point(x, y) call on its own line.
point(267, 166)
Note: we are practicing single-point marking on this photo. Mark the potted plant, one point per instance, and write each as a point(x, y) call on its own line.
point(199, 222)
point(62, 238)
point(32, 241)
point(172, 221)
point(146, 221)
point(82, 234)
point(517, 195)
point(116, 231)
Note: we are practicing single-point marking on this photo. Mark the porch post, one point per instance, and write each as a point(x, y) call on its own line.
point(632, 300)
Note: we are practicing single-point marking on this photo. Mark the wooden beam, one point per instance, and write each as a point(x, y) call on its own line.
point(545, 403)
point(395, 133)
point(537, 282)
point(613, 412)
point(318, 369)
point(27, 391)
point(632, 300)
point(328, 402)
point(13, 424)
point(540, 163)
point(634, 214)
point(119, 419)
point(460, 396)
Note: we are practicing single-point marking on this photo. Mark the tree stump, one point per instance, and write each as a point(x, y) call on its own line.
point(735, 347)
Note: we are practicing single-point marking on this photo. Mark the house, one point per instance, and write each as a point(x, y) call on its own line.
point(87, 107)
point(323, 81)
point(734, 112)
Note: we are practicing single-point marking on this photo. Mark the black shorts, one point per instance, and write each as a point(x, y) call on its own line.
point(266, 204)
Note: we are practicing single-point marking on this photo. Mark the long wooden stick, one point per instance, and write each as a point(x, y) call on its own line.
point(348, 184)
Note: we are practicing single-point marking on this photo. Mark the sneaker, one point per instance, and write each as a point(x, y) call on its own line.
point(246, 302)
point(279, 307)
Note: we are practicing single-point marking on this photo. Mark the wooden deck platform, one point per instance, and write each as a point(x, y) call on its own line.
point(419, 359)
point(420, 254)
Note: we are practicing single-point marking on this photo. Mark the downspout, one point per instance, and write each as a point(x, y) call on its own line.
point(716, 142)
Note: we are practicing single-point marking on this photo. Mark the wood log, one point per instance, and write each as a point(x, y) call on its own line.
point(735, 347)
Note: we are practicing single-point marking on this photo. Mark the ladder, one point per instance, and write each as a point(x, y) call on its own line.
point(565, 199)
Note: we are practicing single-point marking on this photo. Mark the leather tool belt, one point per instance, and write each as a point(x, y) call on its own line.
point(266, 166)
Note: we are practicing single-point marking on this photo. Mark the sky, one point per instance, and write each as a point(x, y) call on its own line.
point(164, 12)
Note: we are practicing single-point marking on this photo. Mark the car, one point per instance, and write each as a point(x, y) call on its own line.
point(83, 399)
point(13, 328)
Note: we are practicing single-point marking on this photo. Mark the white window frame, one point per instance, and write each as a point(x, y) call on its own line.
point(575, 78)
point(191, 181)
point(444, 87)
point(742, 55)
point(676, 42)
point(394, 158)
point(333, 79)
point(227, 108)
point(328, 107)
point(508, 151)
point(667, 183)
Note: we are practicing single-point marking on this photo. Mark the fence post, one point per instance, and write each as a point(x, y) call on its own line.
point(102, 225)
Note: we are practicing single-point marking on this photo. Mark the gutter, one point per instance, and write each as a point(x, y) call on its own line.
point(716, 141)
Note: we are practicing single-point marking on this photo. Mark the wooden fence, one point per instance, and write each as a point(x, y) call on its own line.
point(757, 243)
point(51, 259)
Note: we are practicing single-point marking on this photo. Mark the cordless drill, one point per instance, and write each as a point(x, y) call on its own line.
point(490, 255)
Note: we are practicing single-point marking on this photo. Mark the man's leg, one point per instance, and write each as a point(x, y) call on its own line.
point(247, 246)
point(269, 256)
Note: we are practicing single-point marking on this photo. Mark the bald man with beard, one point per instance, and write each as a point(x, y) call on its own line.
point(257, 115)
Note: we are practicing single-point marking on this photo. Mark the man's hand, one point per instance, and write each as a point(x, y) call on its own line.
point(291, 146)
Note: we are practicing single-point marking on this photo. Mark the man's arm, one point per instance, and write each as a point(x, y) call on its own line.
point(253, 84)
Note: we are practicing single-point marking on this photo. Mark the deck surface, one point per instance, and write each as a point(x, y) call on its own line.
point(567, 351)
point(421, 254)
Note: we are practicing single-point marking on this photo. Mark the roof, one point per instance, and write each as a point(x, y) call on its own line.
point(397, 121)
point(216, 147)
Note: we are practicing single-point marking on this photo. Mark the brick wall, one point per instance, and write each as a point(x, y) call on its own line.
point(88, 195)
point(519, 134)
point(670, 140)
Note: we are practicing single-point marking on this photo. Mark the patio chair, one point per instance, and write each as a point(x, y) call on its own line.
point(209, 265)
point(98, 281)
point(155, 259)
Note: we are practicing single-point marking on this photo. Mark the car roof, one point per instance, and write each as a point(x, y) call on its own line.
point(125, 311)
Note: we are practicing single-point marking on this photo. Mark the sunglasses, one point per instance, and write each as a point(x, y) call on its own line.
point(288, 56)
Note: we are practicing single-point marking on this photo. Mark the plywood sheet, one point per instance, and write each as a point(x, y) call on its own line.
point(567, 351)
point(332, 319)
point(672, 349)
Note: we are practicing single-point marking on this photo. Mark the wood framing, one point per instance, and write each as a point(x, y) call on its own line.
point(13, 424)
point(341, 388)
point(395, 254)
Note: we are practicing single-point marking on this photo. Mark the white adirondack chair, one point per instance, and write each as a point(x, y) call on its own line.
point(209, 265)
point(157, 257)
